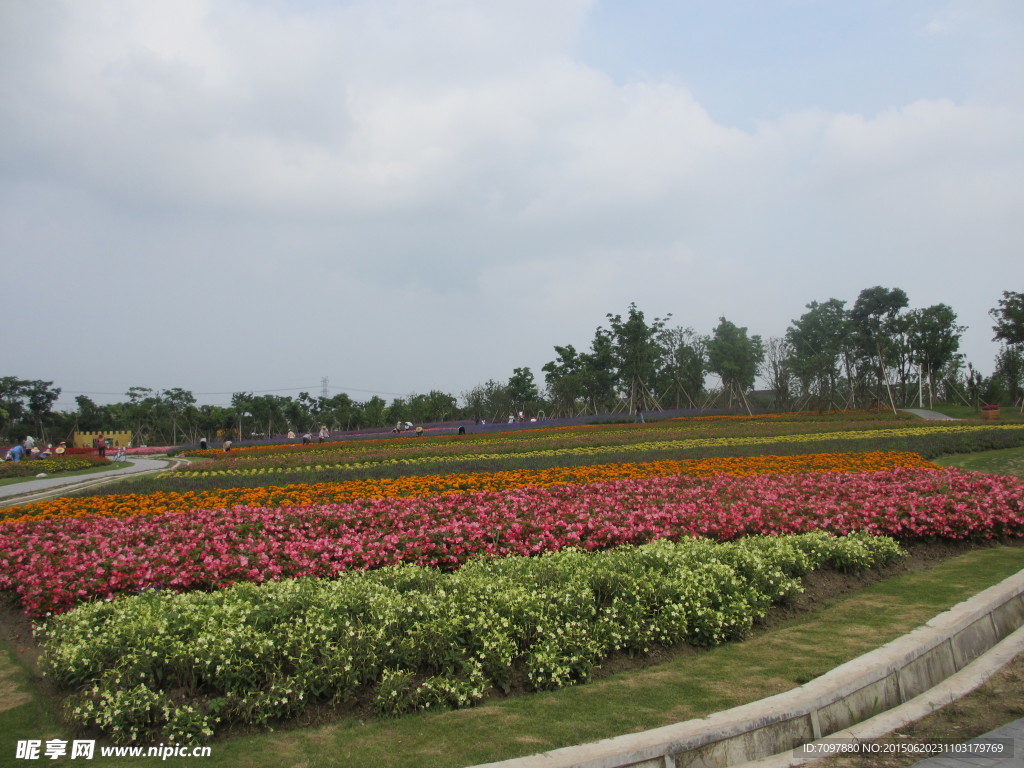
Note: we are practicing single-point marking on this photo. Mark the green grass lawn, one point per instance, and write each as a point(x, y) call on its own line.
point(1008, 461)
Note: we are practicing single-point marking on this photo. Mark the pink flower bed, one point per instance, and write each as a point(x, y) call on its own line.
point(53, 564)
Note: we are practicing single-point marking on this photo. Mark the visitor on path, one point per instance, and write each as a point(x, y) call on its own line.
point(101, 445)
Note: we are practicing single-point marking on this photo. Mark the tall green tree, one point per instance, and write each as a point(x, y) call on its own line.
point(1008, 376)
point(637, 355)
point(683, 366)
point(564, 378)
point(819, 341)
point(875, 319)
point(599, 374)
point(1009, 317)
point(735, 357)
point(934, 337)
point(180, 404)
point(522, 391)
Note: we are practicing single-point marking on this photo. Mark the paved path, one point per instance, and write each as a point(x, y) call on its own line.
point(30, 490)
point(928, 415)
point(1014, 732)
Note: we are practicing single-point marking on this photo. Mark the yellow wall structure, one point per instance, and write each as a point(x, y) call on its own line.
point(85, 439)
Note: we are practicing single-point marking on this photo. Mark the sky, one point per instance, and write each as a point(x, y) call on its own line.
point(399, 196)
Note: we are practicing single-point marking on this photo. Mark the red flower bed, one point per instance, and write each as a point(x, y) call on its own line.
point(53, 564)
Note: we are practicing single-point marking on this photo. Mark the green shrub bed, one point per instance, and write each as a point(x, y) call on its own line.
point(32, 467)
point(175, 667)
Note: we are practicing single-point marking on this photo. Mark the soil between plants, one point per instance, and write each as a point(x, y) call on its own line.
point(997, 702)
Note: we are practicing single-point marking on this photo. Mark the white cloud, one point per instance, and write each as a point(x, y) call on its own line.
point(447, 176)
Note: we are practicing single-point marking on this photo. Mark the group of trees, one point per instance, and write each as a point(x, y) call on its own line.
point(878, 352)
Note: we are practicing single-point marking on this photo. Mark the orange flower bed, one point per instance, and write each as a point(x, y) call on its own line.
point(303, 494)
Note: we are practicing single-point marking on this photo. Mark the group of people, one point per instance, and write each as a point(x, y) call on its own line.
point(26, 448)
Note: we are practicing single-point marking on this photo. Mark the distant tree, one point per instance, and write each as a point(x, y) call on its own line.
point(398, 411)
point(934, 339)
point(90, 417)
point(373, 411)
point(778, 372)
point(735, 357)
point(599, 373)
point(179, 405)
point(874, 318)
point(475, 403)
point(27, 404)
point(488, 401)
point(683, 366)
point(564, 378)
point(1009, 317)
point(522, 390)
point(1009, 372)
point(636, 355)
point(819, 342)
point(431, 407)
point(337, 412)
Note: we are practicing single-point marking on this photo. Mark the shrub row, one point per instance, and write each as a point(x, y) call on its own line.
point(403, 638)
point(30, 467)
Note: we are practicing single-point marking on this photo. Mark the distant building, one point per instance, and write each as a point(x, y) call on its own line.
point(88, 439)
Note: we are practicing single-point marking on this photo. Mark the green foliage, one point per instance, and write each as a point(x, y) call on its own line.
point(1009, 317)
point(734, 355)
point(173, 666)
point(31, 467)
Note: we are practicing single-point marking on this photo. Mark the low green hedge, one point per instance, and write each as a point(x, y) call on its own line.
point(174, 666)
point(51, 466)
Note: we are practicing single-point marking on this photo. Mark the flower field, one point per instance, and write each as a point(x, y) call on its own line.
point(173, 611)
point(54, 563)
point(300, 494)
point(561, 446)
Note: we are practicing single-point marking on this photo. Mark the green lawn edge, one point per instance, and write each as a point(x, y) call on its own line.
point(681, 689)
point(91, 471)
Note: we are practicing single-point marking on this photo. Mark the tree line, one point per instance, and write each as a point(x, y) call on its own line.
point(878, 352)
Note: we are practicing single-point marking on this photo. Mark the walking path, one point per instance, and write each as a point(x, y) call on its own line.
point(928, 415)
